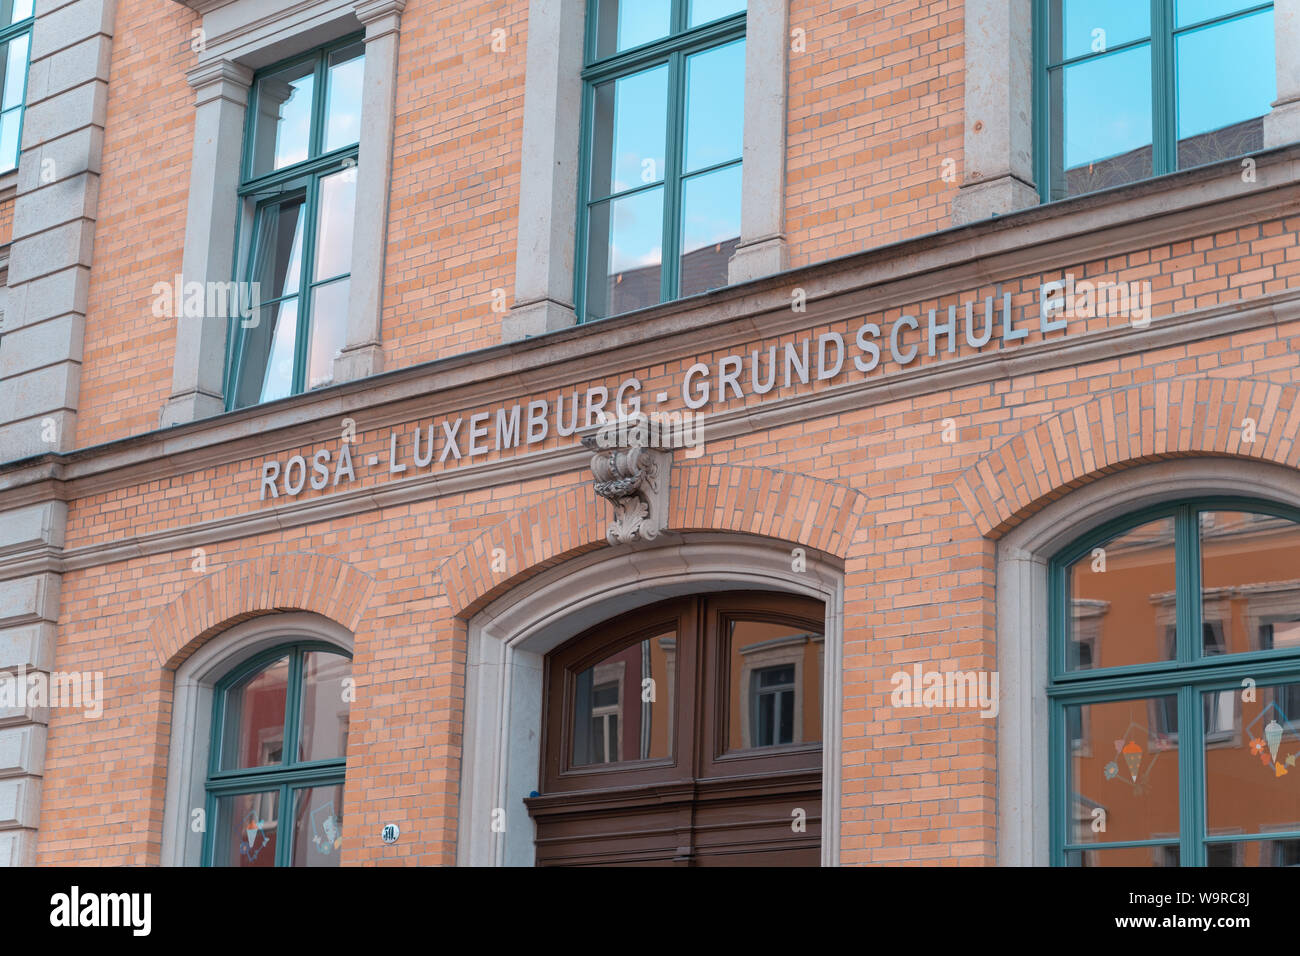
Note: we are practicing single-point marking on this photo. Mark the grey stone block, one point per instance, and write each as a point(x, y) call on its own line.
point(20, 802)
point(33, 526)
point(40, 392)
point(30, 599)
point(59, 115)
point(26, 438)
point(65, 201)
point(51, 251)
point(18, 848)
point(29, 645)
point(58, 340)
point(64, 26)
point(22, 750)
point(51, 296)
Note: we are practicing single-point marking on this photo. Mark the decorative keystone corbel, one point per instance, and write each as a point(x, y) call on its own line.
point(633, 477)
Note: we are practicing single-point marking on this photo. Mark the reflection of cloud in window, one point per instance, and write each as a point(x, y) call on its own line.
point(621, 262)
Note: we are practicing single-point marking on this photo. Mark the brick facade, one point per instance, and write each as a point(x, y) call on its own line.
point(168, 542)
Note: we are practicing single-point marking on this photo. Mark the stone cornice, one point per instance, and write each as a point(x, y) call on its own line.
point(1194, 202)
point(1107, 344)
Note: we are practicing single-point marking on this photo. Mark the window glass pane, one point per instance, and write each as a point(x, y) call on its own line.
point(1250, 580)
point(323, 733)
point(266, 369)
point(9, 123)
point(1164, 855)
point(715, 109)
point(623, 24)
point(253, 731)
point(15, 72)
point(774, 685)
point(630, 126)
point(1251, 749)
point(1280, 851)
point(318, 825)
point(277, 256)
point(246, 829)
point(343, 96)
point(706, 11)
point(329, 316)
point(625, 253)
point(1101, 122)
point(1123, 776)
point(338, 197)
point(1187, 12)
point(1226, 83)
point(12, 11)
point(623, 706)
point(1094, 26)
point(710, 228)
point(1121, 600)
point(282, 126)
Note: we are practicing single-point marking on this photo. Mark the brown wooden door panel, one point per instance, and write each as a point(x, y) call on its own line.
point(685, 733)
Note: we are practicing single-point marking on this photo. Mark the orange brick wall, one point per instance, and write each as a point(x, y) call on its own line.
point(919, 573)
point(126, 373)
point(455, 193)
point(6, 221)
point(875, 107)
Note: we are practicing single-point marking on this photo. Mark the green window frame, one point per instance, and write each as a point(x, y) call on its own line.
point(1162, 39)
point(15, 52)
point(263, 195)
point(672, 51)
point(1185, 678)
point(287, 777)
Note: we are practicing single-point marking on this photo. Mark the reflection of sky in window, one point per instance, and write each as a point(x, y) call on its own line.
point(706, 11)
point(15, 72)
point(711, 208)
point(1107, 106)
point(715, 108)
point(278, 381)
point(1123, 20)
point(294, 129)
point(1225, 74)
point(636, 234)
point(1187, 12)
point(640, 120)
point(338, 194)
point(344, 106)
point(640, 21)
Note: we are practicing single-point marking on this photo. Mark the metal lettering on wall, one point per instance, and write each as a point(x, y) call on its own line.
point(814, 358)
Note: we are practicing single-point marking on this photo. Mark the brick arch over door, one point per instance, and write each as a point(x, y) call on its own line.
point(761, 501)
point(1122, 429)
point(297, 581)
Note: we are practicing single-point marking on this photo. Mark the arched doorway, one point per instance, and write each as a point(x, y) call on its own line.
point(688, 732)
point(510, 638)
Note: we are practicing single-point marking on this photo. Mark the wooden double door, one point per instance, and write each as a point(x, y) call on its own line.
point(686, 733)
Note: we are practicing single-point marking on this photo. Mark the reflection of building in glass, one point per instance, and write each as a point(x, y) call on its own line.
point(773, 698)
point(614, 704)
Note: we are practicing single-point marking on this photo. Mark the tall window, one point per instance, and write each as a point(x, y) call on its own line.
point(16, 19)
point(1128, 89)
point(298, 196)
point(688, 732)
point(661, 182)
point(1176, 736)
point(275, 776)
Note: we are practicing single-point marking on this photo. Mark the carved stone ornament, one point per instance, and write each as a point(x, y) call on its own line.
point(635, 479)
